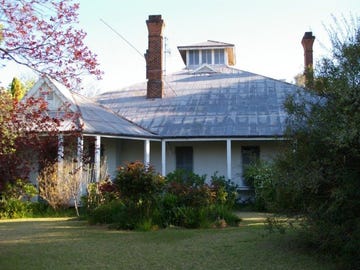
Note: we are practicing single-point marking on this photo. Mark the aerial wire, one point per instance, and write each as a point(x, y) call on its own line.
point(124, 39)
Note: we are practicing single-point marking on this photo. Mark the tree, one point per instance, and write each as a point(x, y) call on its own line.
point(319, 176)
point(58, 185)
point(40, 34)
point(17, 89)
point(22, 141)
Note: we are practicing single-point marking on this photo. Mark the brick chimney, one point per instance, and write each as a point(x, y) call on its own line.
point(154, 57)
point(307, 43)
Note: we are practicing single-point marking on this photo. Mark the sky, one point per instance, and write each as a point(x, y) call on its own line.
point(266, 33)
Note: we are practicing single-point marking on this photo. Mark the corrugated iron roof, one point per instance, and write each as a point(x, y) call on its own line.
point(97, 119)
point(93, 117)
point(229, 103)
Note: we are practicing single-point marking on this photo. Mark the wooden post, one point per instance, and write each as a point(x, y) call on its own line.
point(97, 153)
point(228, 159)
point(163, 158)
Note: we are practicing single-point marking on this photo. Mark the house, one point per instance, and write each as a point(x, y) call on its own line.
point(209, 117)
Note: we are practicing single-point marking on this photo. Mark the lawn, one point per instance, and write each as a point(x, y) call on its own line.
point(63, 243)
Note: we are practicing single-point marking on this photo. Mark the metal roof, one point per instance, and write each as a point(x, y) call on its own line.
point(93, 117)
point(97, 119)
point(229, 103)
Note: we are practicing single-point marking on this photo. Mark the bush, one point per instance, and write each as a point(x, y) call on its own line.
point(260, 176)
point(15, 201)
point(106, 213)
point(191, 203)
point(224, 191)
point(14, 208)
point(139, 183)
point(186, 178)
point(100, 193)
point(146, 201)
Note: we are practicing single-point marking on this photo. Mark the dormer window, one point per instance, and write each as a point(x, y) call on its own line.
point(206, 57)
point(219, 56)
point(209, 53)
point(193, 58)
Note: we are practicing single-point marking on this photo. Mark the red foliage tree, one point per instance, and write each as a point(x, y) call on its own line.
point(40, 34)
point(28, 135)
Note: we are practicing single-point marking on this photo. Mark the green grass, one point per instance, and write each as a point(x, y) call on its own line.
point(60, 243)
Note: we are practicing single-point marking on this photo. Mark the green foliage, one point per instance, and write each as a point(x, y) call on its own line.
point(14, 208)
point(108, 213)
point(7, 134)
point(15, 200)
point(138, 183)
point(319, 176)
point(225, 191)
point(100, 193)
point(186, 177)
point(146, 201)
point(17, 89)
point(132, 201)
point(260, 175)
point(20, 190)
point(191, 203)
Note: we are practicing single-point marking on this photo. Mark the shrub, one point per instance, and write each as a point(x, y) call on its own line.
point(191, 203)
point(106, 213)
point(138, 183)
point(14, 208)
point(100, 193)
point(145, 201)
point(224, 191)
point(140, 187)
point(186, 178)
point(223, 212)
point(15, 201)
point(260, 175)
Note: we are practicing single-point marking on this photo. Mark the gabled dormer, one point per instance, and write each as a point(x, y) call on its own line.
point(209, 53)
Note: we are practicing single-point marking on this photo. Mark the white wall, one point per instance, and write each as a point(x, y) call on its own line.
point(209, 157)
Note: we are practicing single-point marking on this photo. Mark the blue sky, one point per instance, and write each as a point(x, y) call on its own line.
point(266, 34)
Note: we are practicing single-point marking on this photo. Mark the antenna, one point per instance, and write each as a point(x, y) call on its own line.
point(166, 51)
point(124, 39)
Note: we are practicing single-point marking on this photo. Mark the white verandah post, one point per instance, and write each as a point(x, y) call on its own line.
point(60, 154)
point(228, 159)
point(80, 151)
point(97, 153)
point(147, 153)
point(163, 157)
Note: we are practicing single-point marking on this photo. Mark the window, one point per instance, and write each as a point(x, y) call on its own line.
point(50, 95)
point(193, 57)
point(250, 154)
point(219, 56)
point(184, 158)
point(206, 57)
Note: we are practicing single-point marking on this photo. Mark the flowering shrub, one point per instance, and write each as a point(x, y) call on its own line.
point(147, 200)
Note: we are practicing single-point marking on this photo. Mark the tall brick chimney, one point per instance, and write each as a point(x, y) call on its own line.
point(154, 57)
point(307, 43)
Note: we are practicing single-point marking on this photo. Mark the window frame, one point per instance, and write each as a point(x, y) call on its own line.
point(184, 158)
point(219, 56)
point(194, 57)
point(206, 56)
point(249, 154)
